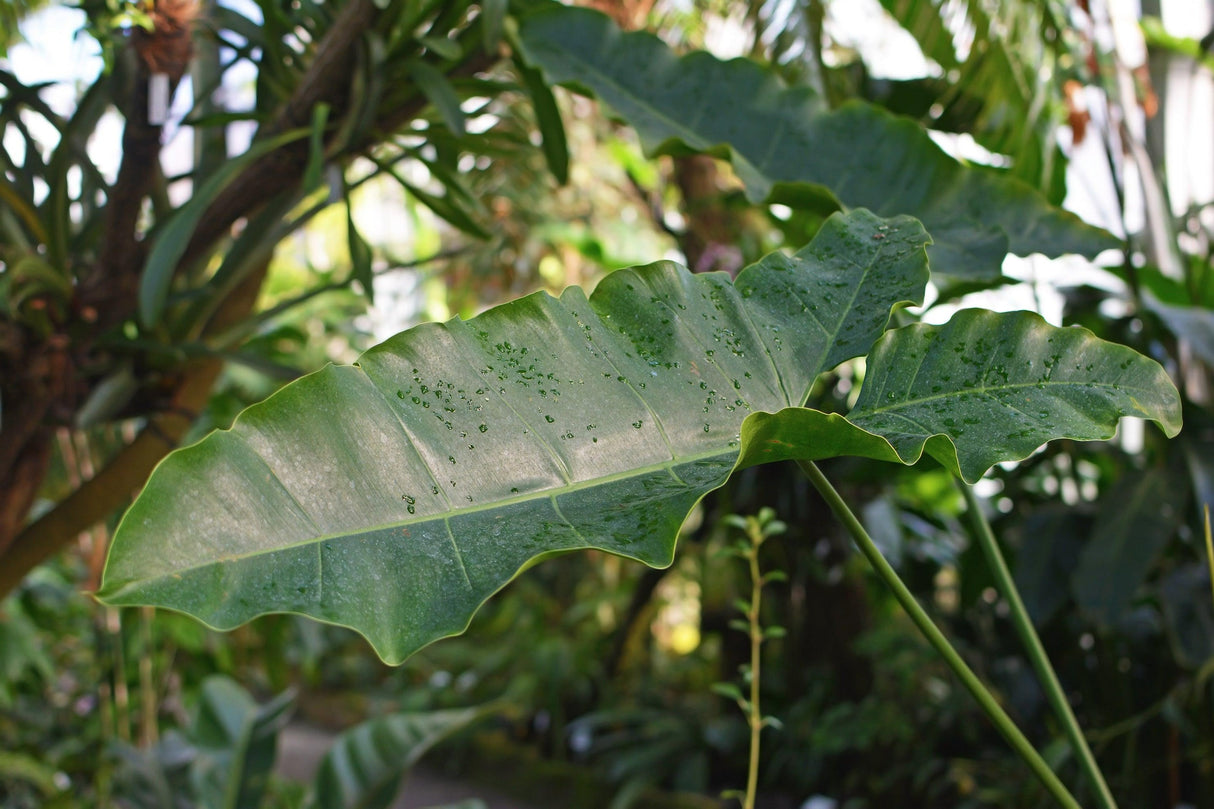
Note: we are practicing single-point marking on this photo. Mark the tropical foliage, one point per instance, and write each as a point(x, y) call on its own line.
point(396, 491)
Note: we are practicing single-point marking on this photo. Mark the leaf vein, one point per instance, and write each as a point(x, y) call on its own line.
point(409, 438)
point(459, 554)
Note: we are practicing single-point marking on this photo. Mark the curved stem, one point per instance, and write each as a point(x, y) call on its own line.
point(1033, 648)
point(936, 638)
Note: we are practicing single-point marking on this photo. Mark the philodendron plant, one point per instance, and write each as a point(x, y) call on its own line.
point(395, 495)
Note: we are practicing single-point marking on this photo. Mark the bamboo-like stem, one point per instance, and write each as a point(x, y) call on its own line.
point(121, 693)
point(149, 731)
point(936, 638)
point(1033, 648)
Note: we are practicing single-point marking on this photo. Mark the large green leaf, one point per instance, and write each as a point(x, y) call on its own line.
point(396, 495)
point(1050, 543)
point(984, 388)
point(923, 20)
point(778, 137)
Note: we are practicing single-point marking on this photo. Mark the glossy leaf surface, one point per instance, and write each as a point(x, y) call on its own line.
point(395, 496)
point(778, 137)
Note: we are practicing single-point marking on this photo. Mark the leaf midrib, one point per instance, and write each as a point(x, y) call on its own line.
point(964, 392)
point(447, 516)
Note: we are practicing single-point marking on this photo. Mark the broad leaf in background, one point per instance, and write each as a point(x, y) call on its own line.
point(237, 740)
point(1137, 518)
point(21, 653)
point(778, 137)
point(1194, 324)
point(397, 495)
point(1197, 448)
point(1184, 596)
point(1049, 550)
point(366, 765)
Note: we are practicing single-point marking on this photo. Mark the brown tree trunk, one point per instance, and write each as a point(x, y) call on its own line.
point(711, 238)
point(40, 373)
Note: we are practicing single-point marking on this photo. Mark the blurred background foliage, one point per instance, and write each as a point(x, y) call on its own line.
point(442, 182)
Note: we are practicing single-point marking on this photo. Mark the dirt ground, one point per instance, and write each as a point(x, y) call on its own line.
point(301, 747)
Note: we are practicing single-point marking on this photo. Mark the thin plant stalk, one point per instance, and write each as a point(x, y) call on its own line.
point(757, 530)
point(755, 714)
point(1033, 648)
point(1210, 550)
point(119, 693)
point(939, 642)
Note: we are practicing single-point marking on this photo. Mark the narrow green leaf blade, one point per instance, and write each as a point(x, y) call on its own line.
point(316, 148)
point(776, 136)
point(548, 116)
point(447, 207)
point(227, 19)
point(493, 21)
point(361, 269)
point(396, 495)
point(172, 239)
point(434, 84)
point(442, 46)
